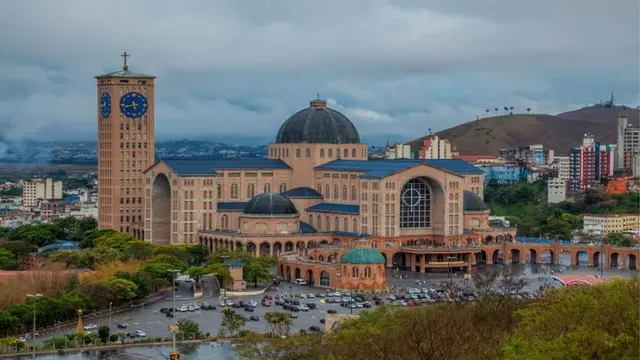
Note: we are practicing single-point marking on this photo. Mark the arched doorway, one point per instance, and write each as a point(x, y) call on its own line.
point(481, 257)
point(614, 259)
point(277, 248)
point(400, 260)
point(309, 278)
point(251, 248)
point(161, 210)
point(265, 249)
point(311, 244)
point(325, 279)
point(288, 246)
point(564, 258)
point(596, 259)
point(298, 273)
point(300, 245)
point(515, 256)
point(288, 277)
point(630, 262)
point(239, 245)
point(582, 257)
point(547, 257)
point(497, 257)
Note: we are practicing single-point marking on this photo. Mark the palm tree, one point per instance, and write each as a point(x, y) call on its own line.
point(528, 110)
point(496, 109)
point(506, 109)
point(511, 110)
point(231, 323)
point(487, 112)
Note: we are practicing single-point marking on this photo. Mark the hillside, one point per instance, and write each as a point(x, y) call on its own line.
point(558, 132)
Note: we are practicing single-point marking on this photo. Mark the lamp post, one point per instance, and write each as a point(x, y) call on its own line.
point(224, 282)
point(33, 334)
point(110, 303)
point(174, 272)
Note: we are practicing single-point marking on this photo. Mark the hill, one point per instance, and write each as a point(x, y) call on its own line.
point(558, 132)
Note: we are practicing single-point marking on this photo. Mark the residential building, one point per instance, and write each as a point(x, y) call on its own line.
point(51, 209)
point(635, 164)
point(589, 163)
point(434, 147)
point(607, 223)
point(41, 189)
point(561, 165)
point(480, 159)
point(531, 154)
point(506, 174)
point(628, 142)
point(398, 151)
point(556, 191)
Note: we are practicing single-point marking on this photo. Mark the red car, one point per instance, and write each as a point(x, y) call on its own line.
point(410, 303)
point(268, 297)
point(266, 303)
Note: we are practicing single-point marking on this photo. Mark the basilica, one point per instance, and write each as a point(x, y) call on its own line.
point(328, 213)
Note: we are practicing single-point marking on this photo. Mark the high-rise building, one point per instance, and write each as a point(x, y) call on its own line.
point(556, 191)
point(589, 163)
point(126, 148)
point(41, 189)
point(435, 148)
point(561, 165)
point(628, 142)
point(398, 151)
point(532, 154)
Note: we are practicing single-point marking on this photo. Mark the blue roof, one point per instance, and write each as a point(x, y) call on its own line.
point(231, 206)
point(335, 208)
point(376, 169)
point(233, 263)
point(209, 167)
point(302, 193)
point(60, 245)
point(305, 228)
point(349, 233)
point(535, 240)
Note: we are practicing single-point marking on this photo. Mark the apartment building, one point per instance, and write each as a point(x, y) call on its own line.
point(607, 224)
point(41, 189)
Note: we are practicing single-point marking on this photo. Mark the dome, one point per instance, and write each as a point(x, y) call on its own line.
point(473, 202)
point(363, 255)
point(270, 204)
point(318, 124)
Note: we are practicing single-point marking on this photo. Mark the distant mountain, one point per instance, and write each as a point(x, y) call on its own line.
point(558, 132)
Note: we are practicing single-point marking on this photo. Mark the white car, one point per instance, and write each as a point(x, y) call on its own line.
point(90, 327)
point(191, 308)
point(253, 303)
point(140, 333)
point(183, 308)
point(303, 308)
point(311, 296)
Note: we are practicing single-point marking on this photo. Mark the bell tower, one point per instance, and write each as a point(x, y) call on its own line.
point(126, 147)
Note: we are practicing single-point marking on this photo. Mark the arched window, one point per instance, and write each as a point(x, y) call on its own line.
point(336, 224)
point(283, 187)
point(367, 272)
point(267, 188)
point(321, 153)
point(335, 191)
point(325, 280)
point(219, 189)
point(344, 192)
point(210, 221)
point(327, 191)
point(298, 153)
point(456, 196)
point(225, 222)
point(319, 223)
point(345, 225)
point(330, 153)
point(386, 197)
point(338, 153)
point(319, 188)
point(346, 153)
point(327, 224)
point(308, 153)
point(311, 220)
point(451, 196)
point(415, 205)
point(251, 190)
point(353, 193)
point(353, 153)
point(355, 225)
point(355, 273)
point(234, 191)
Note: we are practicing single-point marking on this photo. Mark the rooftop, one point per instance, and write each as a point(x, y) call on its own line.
point(335, 208)
point(125, 73)
point(209, 167)
point(302, 193)
point(377, 169)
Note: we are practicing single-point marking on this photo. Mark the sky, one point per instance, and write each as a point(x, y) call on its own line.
point(234, 68)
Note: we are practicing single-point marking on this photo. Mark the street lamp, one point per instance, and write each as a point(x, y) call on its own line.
point(33, 352)
point(110, 303)
point(224, 287)
point(174, 271)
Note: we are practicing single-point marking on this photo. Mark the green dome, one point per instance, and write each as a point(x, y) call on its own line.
point(363, 255)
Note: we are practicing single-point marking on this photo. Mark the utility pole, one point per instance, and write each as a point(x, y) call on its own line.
point(174, 272)
point(110, 303)
point(33, 334)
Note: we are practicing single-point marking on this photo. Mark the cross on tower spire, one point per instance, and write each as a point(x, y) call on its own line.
point(125, 56)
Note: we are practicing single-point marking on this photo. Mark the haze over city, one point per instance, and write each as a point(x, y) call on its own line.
point(239, 68)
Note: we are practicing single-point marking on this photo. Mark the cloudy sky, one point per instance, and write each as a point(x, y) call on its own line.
point(241, 67)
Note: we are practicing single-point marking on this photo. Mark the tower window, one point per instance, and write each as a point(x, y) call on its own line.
point(142, 82)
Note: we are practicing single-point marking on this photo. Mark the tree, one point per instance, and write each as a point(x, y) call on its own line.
point(8, 260)
point(617, 239)
point(197, 272)
point(90, 236)
point(279, 322)
point(103, 333)
point(256, 271)
point(121, 289)
point(190, 329)
point(231, 323)
point(20, 248)
point(528, 110)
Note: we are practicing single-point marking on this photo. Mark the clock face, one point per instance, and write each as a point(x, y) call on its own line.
point(105, 105)
point(133, 105)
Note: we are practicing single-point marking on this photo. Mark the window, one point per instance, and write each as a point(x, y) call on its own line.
point(327, 191)
point(219, 190)
point(319, 188)
point(298, 153)
point(225, 222)
point(321, 153)
point(355, 272)
point(336, 224)
point(355, 225)
point(308, 153)
point(325, 280)
point(335, 191)
point(283, 187)
point(251, 190)
point(353, 153)
point(346, 224)
point(311, 220)
point(415, 205)
point(267, 188)
point(234, 191)
point(344, 192)
point(367, 272)
point(346, 153)
point(353, 193)
point(327, 224)
point(330, 153)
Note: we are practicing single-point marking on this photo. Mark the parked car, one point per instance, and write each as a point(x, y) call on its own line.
point(267, 297)
point(123, 326)
point(293, 315)
point(254, 318)
point(91, 327)
point(266, 303)
point(332, 311)
point(314, 329)
point(140, 333)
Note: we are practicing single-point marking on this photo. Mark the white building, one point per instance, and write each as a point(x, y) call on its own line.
point(41, 189)
point(561, 165)
point(433, 147)
point(556, 191)
point(398, 151)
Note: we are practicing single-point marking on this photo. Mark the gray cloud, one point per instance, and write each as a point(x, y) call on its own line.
point(241, 67)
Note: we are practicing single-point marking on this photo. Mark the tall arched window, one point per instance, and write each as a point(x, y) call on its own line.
point(283, 187)
point(353, 153)
point(225, 222)
point(319, 223)
point(353, 193)
point(327, 191)
point(327, 224)
point(355, 225)
point(234, 191)
point(319, 188)
point(344, 192)
point(298, 153)
point(336, 224)
point(321, 153)
point(308, 153)
point(325, 280)
point(345, 225)
point(251, 190)
point(335, 191)
point(338, 153)
point(267, 188)
point(415, 205)
point(355, 273)
point(219, 189)
point(367, 272)
point(346, 153)
point(330, 153)
point(311, 220)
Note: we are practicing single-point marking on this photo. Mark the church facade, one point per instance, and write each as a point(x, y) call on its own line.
point(313, 199)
